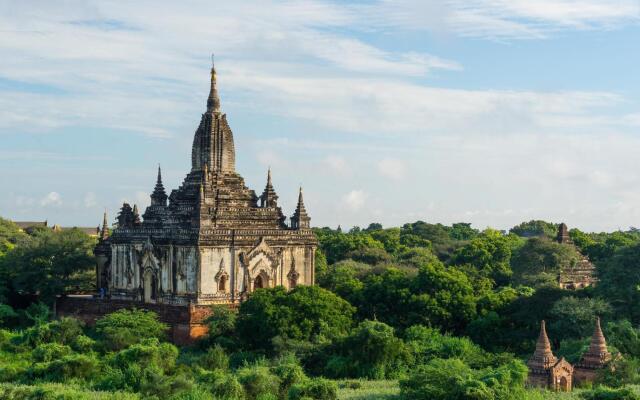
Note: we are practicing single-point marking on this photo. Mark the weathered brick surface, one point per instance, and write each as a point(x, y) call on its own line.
point(187, 323)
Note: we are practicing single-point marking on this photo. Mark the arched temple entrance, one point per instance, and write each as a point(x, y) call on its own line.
point(150, 287)
point(564, 384)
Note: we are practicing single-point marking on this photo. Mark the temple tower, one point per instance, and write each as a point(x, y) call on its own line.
point(545, 370)
point(596, 358)
point(579, 275)
point(211, 241)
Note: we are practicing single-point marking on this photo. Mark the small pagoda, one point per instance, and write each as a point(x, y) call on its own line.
point(545, 370)
point(596, 358)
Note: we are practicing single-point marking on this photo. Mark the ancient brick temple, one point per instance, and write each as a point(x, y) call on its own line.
point(211, 241)
point(546, 371)
point(596, 358)
point(579, 275)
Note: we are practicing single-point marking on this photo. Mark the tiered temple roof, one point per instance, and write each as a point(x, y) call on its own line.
point(580, 275)
point(543, 357)
point(213, 200)
point(597, 355)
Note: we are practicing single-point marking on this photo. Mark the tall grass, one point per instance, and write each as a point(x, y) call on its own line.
point(368, 390)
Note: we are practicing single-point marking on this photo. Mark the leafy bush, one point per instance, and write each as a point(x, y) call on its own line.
point(225, 386)
point(372, 351)
point(7, 315)
point(67, 367)
point(214, 358)
point(307, 313)
point(57, 392)
point(258, 381)
point(317, 389)
point(124, 328)
point(620, 372)
point(64, 331)
point(46, 352)
point(222, 325)
point(454, 380)
point(290, 372)
point(604, 393)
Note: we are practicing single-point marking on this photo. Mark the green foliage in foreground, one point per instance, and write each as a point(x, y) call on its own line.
point(50, 391)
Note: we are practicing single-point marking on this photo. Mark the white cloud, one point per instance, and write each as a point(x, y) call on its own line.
point(337, 164)
point(355, 199)
point(51, 199)
point(269, 158)
point(502, 19)
point(90, 200)
point(392, 168)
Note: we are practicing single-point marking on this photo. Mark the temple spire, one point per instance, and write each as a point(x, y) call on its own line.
point(136, 216)
point(159, 196)
point(300, 219)
point(543, 357)
point(213, 102)
point(563, 234)
point(598, 354)
point(269, 198)
point(104, 233)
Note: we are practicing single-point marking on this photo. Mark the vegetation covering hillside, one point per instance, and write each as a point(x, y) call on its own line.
point(424, 311)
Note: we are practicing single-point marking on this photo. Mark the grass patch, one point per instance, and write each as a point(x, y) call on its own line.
point(354, 389)
point(51, 391)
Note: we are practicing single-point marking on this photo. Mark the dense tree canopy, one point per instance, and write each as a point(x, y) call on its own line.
point(48, 263)
point(307, 313)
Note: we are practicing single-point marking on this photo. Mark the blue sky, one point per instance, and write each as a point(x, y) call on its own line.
point(486, 111)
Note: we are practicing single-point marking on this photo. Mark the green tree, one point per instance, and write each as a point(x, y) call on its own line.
point(539, 262)
point(49, 264)
point(442, 297)
point(306, 313)
point(337, 245)
point(535, 228)
point(10, 235)
point(620, 282)
point(124, 328)
point(371, 351)
point(574, 317)
point(463, 231)
point(489, 253)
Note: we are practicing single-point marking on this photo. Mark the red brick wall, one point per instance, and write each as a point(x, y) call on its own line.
point(187, 323)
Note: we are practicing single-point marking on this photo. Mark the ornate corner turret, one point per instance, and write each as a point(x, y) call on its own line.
point(159, 196)
point(300, 219)
point(269, 198)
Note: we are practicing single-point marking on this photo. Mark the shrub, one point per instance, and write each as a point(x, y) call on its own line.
point(621, 371)
point(83, 344)
point(150, 353)
point(258, 381)
point(64, 330)
point(371, 351)
point(226, 387)
point(71, 366)
point(7, 315)
point(124, 328)
point(452, 380)
point(604, 393)
point(317, 388)
point(47, 352)
point(289, 371)
point(306, 313)
point(215, 358)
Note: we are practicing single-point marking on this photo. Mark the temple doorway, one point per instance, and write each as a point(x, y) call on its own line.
point(564, 384)
point(149, 287)
point(258, 283)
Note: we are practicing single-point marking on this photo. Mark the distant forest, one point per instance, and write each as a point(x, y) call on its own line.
point(422, 311)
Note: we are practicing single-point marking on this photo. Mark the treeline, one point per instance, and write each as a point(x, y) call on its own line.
point(450, 311)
